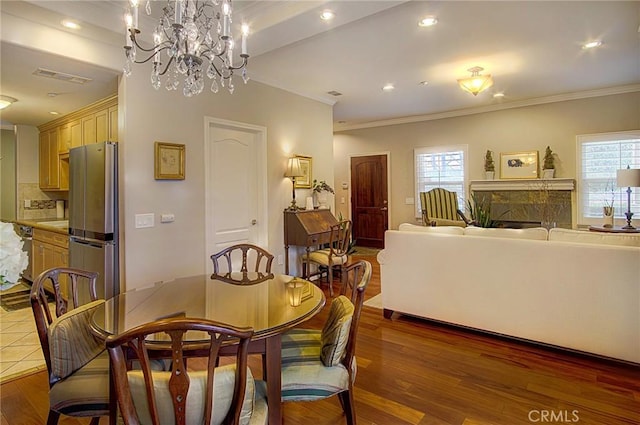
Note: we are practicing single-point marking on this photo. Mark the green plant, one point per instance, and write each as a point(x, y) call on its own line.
point(548, 160)
point(319, 186)
point(488, 162)
point(480, 212)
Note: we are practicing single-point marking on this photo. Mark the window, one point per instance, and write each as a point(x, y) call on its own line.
point(599, 157)
point(440, 166)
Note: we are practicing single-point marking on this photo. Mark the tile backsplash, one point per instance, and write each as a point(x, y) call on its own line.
point(42, 204)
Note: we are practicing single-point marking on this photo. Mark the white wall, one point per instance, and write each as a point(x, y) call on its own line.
point(294, 125)
point(511, 130)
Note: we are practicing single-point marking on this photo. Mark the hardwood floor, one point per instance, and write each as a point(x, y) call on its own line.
point(416, 372)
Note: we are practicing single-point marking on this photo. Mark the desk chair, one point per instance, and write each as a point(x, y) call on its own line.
point(440, 208)
point(317, 364)
point(77, 364)
point(333, 256)
point(259, 258)
point(216, 395)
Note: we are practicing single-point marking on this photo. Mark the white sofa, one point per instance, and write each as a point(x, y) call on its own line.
point(574, 289)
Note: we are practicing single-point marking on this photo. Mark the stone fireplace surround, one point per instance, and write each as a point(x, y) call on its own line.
point(528, 202)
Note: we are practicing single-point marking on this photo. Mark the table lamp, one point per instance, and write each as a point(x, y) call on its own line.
point(628, 178)
point(293, 170)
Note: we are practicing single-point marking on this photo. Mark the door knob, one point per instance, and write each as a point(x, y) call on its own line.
point(254, 222)
point(384, 208)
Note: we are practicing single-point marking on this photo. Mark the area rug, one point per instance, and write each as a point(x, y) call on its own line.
point(366, 251)
point(375, 302)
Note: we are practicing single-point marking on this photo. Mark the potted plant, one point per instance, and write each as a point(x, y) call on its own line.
point(548, 166)
point(320, 189)
point(489, 166)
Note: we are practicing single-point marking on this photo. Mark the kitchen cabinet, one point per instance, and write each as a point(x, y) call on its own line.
point(50, 249)
point(95, 123)
point(49, 166)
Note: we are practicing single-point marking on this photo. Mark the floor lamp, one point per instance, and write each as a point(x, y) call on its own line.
point(629, 177)
point(293, 170)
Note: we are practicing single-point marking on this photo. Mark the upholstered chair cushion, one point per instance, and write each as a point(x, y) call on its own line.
point(71, 343)
point(224, 379)
point(335, 333)
point(321, 256)
point(85, 392)
point(304, 376)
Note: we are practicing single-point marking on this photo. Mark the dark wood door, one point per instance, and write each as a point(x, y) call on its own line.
point(369, 203)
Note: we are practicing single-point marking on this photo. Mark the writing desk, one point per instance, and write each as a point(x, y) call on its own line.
point(270, 307)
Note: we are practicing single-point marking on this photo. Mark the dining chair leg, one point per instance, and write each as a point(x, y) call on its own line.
point(53, 417)
point(95, 421)
point(346, 399)
point(330, 276)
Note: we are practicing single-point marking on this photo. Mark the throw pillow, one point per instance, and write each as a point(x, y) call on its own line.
point(335, 333)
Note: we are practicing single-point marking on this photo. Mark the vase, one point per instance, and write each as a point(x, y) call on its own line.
point(322, 200)
point(607, 214)
point(548, 173)
point(489, 175)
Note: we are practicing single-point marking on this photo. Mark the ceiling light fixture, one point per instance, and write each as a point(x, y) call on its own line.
point(192, 39)
point(388, 87)
point(592, 44)
point(498, 95)
point(476, 83)
point(423, 83)
point(72, 25)
point(6, 101)
point(54, 112)
point(327, 15)
point(427, 21)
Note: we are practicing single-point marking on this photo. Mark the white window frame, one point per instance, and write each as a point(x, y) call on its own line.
point(620, 204)
point(462, 197)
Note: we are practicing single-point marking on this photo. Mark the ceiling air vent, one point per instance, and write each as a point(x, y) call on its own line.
point(334, 93)
point(62, 76)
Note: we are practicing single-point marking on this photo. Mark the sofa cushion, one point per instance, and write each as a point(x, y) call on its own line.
point(535, 233)
point(581, 236)
point(448, 230)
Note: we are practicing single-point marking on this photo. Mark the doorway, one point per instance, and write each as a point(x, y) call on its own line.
point(369, 199)
point(235, 185)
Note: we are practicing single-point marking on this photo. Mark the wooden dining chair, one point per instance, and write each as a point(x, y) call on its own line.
point(77, 363)
point(317, 364)
point(336, 255)
point(231, 264)
point(215, 395)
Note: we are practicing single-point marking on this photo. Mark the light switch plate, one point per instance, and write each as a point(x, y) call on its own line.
point(145, 220)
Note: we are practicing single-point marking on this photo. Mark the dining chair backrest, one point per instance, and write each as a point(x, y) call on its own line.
point(242, 254)
point(181, 395)
point(358, 276)
point(64, 282)
point(340, 238)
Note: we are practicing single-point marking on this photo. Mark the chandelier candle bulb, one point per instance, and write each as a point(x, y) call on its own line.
point(178, 15)
point(245, 32)
point(128, 19)
point(134, 6)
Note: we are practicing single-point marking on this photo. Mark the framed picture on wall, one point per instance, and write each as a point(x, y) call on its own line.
point(519, 165)
point(169, 161)
point(304, 182)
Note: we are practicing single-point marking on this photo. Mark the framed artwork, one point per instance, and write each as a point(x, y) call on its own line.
point(519, 165)
point(304, 182)
point(169, 161)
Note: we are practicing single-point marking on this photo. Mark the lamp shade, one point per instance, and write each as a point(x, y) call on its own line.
point(476, 83)
point(293, 168)
point(629, 177)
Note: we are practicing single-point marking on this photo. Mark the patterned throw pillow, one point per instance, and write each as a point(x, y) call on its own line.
point(335, 333)
point(71, 343)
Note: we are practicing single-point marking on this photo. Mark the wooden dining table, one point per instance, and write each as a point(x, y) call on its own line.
point(271, 306)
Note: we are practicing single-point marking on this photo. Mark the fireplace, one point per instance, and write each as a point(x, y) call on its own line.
point(527, 203)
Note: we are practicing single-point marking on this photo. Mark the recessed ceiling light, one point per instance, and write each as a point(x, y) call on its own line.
point(423, 83)
point(592, 44)
point(498, 95)
point(388, 87)
point(427, 21)
point(72, 25)
point(327, 15)
point(54, 112)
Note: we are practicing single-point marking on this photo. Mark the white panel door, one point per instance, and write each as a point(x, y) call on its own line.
point(235, 187)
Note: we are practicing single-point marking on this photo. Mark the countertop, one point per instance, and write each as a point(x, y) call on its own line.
point(45, 224)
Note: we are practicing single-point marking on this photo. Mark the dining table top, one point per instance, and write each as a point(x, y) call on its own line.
point(270, 306)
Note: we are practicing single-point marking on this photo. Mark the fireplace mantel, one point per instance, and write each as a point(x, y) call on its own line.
point(522, 184)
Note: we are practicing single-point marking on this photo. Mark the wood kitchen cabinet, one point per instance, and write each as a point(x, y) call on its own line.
point(50, 249)
point(95, 123)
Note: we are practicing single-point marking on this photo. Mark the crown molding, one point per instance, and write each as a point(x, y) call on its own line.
point(492, 108)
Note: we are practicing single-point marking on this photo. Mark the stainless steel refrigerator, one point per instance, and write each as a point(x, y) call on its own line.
point(93, 214)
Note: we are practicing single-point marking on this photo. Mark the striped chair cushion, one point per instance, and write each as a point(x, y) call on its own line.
point(321, 256)
point(71, 343)
point(304, 377)
point(335, 333)
point(223, 383)
point(84, 393)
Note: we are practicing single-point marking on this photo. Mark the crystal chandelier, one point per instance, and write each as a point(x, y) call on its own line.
point(192, 39)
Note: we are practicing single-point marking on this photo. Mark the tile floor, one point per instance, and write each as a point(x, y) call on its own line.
point(20, 351)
